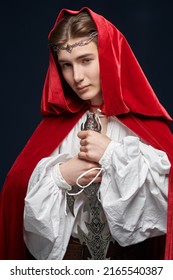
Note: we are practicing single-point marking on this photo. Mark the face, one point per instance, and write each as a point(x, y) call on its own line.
point(81, 70)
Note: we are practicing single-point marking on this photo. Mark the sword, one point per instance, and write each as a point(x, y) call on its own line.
point(97, 239)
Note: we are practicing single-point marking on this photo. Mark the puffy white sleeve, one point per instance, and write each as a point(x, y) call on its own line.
point(133, 191)
point(46, 232)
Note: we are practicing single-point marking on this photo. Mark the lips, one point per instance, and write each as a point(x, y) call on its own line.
point(81, 88)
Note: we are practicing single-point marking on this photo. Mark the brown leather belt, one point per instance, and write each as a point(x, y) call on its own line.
point(149, 249)
point(76, 250)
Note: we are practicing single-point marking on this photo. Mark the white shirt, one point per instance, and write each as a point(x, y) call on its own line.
point(133, 194)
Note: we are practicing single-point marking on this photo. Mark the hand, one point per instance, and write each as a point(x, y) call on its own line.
point(93, 145)
point(74, 167)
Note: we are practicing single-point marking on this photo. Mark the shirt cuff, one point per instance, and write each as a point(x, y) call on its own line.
point(105, 160)
point(58, 178)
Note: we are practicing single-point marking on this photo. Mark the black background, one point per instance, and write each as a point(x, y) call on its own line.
point(25, 25)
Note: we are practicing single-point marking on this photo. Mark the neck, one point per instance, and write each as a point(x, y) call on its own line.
point(94, 108)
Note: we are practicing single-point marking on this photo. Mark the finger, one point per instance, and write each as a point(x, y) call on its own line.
point(88, 178)
point(83, 149)
point(82, 155)
point(84, 181)
point(82, 134)
point(93, 173)
point(83, 142)
point(98, 180)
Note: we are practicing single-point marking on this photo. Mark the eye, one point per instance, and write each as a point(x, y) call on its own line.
point(86, 60)
point(65, 66)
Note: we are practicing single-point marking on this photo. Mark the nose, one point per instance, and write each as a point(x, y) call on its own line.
point(78, 74)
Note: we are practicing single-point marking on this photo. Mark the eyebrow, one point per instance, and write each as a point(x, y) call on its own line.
point(77, 58)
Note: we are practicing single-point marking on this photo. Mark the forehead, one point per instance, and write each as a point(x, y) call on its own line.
point(77, 51)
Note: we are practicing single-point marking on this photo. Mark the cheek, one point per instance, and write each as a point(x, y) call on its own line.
point(95, 72)
point(67, 77)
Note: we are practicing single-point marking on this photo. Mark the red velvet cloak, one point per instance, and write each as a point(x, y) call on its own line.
point(127, 94)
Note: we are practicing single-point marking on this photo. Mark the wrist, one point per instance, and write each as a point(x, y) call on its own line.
point(63, 170)
point(58, 178)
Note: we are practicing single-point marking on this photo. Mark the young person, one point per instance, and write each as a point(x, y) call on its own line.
point(96, 174)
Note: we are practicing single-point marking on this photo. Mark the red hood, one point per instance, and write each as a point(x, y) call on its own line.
point(124, 85)
point(126, 93)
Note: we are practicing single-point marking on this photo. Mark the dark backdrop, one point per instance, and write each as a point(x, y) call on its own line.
point(25, 25)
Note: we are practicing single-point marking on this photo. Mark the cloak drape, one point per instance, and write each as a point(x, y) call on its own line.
point(127, 94)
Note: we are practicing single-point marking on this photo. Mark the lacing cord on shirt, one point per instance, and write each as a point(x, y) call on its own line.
point(83, 186)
